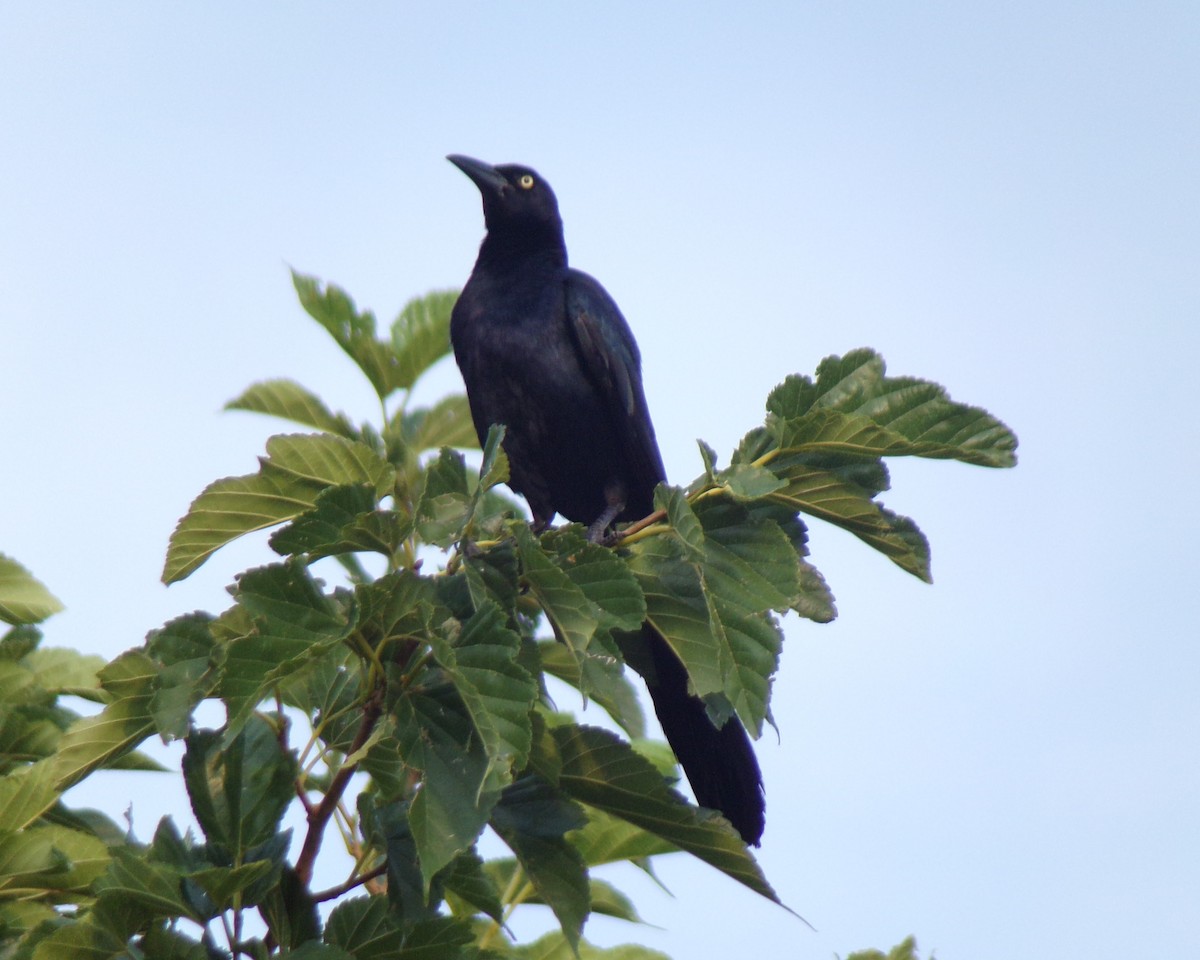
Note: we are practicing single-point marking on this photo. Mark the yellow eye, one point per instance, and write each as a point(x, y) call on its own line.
point(525, 182)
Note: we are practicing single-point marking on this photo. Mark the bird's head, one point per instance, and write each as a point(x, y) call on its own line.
point(515, 198)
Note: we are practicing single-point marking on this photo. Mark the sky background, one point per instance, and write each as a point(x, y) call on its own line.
point(1003, 198)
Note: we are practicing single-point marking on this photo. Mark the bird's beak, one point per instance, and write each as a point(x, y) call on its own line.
point(487, 178)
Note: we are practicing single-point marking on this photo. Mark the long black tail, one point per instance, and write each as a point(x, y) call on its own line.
point(720, 764)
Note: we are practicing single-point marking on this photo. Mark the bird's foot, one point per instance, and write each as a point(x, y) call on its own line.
point(598, 531)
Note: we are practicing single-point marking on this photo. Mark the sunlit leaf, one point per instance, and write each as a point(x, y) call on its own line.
point(288, 400)
point(421, 335)
point(23, 598)
point(481, 662)
point(436, 735)
point(602, 771)
point(353, 331)
point(240, 788)
point(532, 818)
point(294, 473)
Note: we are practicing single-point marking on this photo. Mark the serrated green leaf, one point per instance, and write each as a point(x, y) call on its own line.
point(365, 928)
point(353, 331)
point(50, 858)
point(18, 917)
point(481, 662)
point(421, 335)
point(59, 670)
point(239, 791)
point(567, 607)
point(295, 471)
point(602, 771)
point(222, 884)
point(603, 577)
point(386, 829)
point(533, 818)
point(684, 525)
point(99, 741)
point(343, 520)
point(445, 501)
point(745, 481)
point(679, 609)
point(134, 885)
point(554, 946)
point(289, 400)
point(163, 942)
point(602, 679)
point(295, 624)
point(609, 839)
point(821, 493)
point(447, 423)
point(82, 940)
point(467, 880)
point(436, 735)
point(909, 416)
point(25, 794)
point(185, 649)
point(23, 598)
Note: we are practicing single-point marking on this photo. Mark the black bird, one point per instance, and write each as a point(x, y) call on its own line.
point(544, 350)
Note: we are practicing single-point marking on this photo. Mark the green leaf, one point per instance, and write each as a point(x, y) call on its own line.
point(602, 771)
point(50, 858)
point(436, 735)
point(445, 502)
point(906, 950)
point(915, 417)
point(609, 839)
point(554, 946)
point(364, 928)
point(59, 670)
point(185, 649)
point(353, 331)
point(80, 941)
point(684, 525)
point(573, 616)
point(295, 624)
point(481, 662)
point(290, 401)
point(532, 818)
point(678, 608)
point(421, 335)
point(467, 880)
point(823, 494)
point(344, 520)
point(240, 791)
point(447, 423)
point(135, 886)
point(295, 471)
point(746, 481)
point(222, 884)
point(602, 678)
point(102, 740)
point(25, 794)
point(605, 580)
point(23, 598)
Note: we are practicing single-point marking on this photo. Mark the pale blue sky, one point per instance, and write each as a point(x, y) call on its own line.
point(1003, 198)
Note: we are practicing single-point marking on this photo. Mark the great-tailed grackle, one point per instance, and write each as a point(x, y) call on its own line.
point(544, 350)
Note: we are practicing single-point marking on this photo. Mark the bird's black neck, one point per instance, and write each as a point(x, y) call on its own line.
point(527, 246)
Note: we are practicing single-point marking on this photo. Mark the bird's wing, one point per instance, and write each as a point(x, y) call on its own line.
point(607, 350)
point(610, 359)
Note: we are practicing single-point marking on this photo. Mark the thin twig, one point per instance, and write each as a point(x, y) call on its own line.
point(334, 892)
point(319, 818)
point(637, 525)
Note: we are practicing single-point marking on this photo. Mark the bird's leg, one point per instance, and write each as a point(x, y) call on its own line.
point(616, 503)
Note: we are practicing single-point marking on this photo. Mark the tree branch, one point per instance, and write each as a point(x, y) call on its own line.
point(318, 817)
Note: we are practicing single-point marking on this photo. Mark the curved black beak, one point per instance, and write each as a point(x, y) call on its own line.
point(486, 177)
